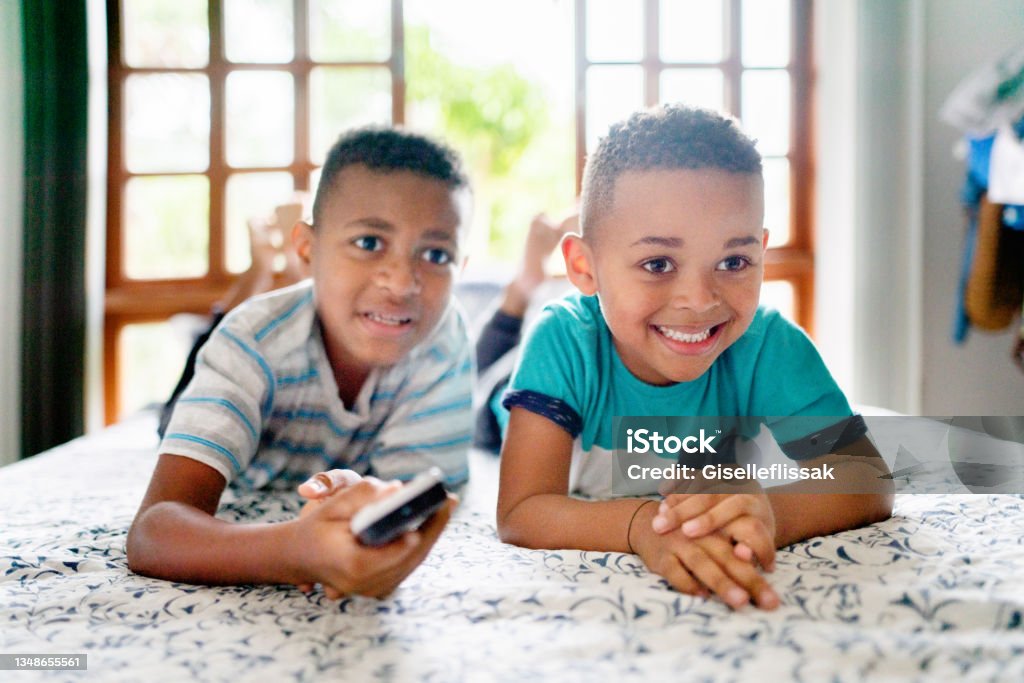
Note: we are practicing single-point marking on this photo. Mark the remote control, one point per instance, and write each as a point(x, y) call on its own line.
point(406, 510)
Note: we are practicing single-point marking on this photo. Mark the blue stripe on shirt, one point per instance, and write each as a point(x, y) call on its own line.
point(462, 403)
point(312, 373)
point(448, 374)
point(227, 404)
point(297, 448)
point(209, 444)
point(424, 446)
point(457, 477)
point(284, 316)
point(269, 402)
point(312, 416)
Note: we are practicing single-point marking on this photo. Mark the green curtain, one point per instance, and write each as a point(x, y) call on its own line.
point(53, 318)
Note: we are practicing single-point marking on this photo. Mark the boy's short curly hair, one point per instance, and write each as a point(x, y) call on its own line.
point(672, 136)
point(387, 149)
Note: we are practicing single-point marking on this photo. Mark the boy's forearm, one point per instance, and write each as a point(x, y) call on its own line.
point(806, 509)
point(555, 521)
point(178, 542)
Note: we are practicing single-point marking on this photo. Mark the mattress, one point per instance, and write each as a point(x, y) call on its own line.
point(934, 593)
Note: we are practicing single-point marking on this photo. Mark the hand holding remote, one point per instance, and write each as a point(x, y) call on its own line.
point(328, 552)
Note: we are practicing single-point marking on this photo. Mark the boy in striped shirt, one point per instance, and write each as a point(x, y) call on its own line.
point(366, 367)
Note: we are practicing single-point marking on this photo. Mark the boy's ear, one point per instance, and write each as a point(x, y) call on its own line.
point(764, 238)
point(303, 237)
point(579, 260)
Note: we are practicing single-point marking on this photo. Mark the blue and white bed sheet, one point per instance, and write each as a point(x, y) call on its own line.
point(935, 593)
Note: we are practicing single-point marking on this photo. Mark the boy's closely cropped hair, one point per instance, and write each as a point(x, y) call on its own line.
point(669, 263)
point(364, 367)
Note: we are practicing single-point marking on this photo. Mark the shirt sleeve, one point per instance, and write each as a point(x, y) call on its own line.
point(432, 422)
point(218, 419)
point(549, 378)
point(794, 391)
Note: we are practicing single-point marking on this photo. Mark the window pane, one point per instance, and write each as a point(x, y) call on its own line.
point(343, 98)
point(151, 357)
point(692, 30)
point(166, 227)
point(696, 87)
point(615, 30)
point(259, 31)
point(766, 110)
point(776, 200)
point(766, 32)
point(780, 295)
point(167, 123)
point(251, 195)
point(260, 118)
point(613, 93)
point(172, 33)
point(349, 30)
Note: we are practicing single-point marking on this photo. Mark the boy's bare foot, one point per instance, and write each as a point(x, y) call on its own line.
point(273, 263)
point(541, 239)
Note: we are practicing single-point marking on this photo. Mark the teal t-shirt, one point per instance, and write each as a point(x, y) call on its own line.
point(570, 372)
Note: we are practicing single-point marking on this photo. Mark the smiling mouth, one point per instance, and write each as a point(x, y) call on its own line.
point(390, 320)
point(689, 338)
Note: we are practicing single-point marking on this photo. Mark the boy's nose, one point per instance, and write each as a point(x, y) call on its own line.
point(695, 291)
point(399, 277)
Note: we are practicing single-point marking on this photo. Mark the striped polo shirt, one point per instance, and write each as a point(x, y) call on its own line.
point(263, 408)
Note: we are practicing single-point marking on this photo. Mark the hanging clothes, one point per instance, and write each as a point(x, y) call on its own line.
point(991, 284)
point(1006, 168)
point(993, 294)
point(990, 96)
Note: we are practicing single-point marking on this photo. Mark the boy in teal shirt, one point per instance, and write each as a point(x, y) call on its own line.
point(666, 322)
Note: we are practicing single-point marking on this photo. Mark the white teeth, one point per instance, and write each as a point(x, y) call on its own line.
point(387, 320)
point(683, 337)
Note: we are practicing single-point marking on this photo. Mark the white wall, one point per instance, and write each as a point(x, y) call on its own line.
point(11, 184)
point(869, 168)
point(977, 378)
point(889, 221)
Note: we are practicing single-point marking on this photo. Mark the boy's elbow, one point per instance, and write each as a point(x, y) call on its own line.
point(510, 532)
point(884, 500)
point(876, 507)
point(137, 546)
point(507, 532)
point(883, 507)
point(132, 548)
point(512, 527)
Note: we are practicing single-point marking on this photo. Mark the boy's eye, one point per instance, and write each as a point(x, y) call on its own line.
point(439, 257)
point(658, 265)
point(369, 243)
point(733, 263)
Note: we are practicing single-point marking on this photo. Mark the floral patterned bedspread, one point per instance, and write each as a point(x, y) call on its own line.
point(935, 593)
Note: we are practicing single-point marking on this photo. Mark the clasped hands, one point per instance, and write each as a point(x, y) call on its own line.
point(709, 539)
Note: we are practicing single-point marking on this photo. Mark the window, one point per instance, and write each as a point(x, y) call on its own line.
point(748, 57)
point(221, 109)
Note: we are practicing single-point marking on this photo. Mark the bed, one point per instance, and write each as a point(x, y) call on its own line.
point(933, 593)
